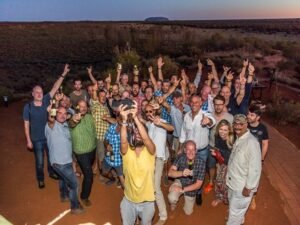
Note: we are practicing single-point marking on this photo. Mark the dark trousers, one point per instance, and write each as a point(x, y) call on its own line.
point(67, 183)
point(39, 147)
point(86, 162)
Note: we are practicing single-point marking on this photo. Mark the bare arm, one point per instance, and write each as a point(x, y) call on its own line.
point(124, 142)
point(193, 187)
point(118, 74)
point(153, 80)
point(213, 70)
point(265, 146)
point(27, 134)
point(160, 64)
point(251, 70)
point(89, 71)
point(59, 81)
point(174, 173)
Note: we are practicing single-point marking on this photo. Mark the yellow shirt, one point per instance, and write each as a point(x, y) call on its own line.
point(139, 175)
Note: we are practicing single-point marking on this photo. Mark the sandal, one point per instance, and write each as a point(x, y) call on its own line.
point(208, 188)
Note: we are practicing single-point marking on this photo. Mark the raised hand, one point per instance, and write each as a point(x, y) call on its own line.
point(66, 69)
point(226, 69)
point(134, 109)
point(229, 76)
point(89, 69)
point(210, 62)
point(245, 62)
point(160, 62)
point(150, 69)
point(124, 112)
point(200, 65)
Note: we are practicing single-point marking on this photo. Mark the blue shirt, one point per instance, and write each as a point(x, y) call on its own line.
point(59, 143)
point(177, 118)
point(164, 112)
point(37, 117)
point(114, 139)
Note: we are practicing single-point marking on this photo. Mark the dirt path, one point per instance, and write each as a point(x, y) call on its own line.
point(21, 202)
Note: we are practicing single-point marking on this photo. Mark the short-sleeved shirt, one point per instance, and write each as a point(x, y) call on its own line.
point(181, 162)
point(139, 175)
point(76, 98)
point(37, 117)
point(165, 115)
point(260, 132)
point(177, 118)
point(84, 135)
point(98, 111)
point(113, 138)
point(59, 143)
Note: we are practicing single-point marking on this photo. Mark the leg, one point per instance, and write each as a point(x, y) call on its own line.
point(211, 166)
point(159, 197)
point(174, 196)
point(146, 212)
point(238, 205)
point(128, 212)
point(49, 167)
point(39, 160)
point(189, 203)
point(85, 162)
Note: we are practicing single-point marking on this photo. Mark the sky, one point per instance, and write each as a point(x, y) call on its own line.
point(118, 10)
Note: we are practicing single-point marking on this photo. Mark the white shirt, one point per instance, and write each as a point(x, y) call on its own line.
point(244, 165)
point(193, 130)
point(159, 137)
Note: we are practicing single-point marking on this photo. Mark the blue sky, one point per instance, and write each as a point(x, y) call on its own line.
point(74, 10)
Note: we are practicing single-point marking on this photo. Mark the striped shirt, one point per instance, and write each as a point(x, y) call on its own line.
point(98, 111)
point(84, 135)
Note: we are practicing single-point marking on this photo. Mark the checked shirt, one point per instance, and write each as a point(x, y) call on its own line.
point(113, 138)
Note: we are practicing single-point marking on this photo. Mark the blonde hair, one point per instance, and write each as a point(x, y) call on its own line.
point(230, 138)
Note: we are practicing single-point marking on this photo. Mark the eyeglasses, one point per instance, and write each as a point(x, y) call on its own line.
point(148, 111)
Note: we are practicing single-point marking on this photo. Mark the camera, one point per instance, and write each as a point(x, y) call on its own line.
point(125, 102)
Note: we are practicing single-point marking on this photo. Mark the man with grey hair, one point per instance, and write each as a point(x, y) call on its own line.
point(189, 172)
point(35, 117)
point(244, 170)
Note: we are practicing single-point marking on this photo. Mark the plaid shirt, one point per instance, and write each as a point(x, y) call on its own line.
point(98, 111)
point(181, 162)
point(113, 138)
point(164, 112)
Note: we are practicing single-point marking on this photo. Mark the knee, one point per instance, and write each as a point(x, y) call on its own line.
point(172, 198)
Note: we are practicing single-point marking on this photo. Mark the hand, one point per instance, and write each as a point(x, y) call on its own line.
point(160, 62)
point(200, 65)
point(49, 107)
point(155, 120)
point(119, 67)
point(105, 117)
point(210, 62)
point(251, 69)
point(29, 145)
point(124, 112)
point(66, 70)
point(134, 109)
point(176, 82)
point(135, 71)
point(108, 79)
point(76, 117)
point(246, 192)
point(186, 172)
point(109, 148)
point(226, 69)
point(183, 83)
point(229, 76)
point(89, 69)
point(245, 62)
point(150, 69)
point(205, 121)
point(213, 152)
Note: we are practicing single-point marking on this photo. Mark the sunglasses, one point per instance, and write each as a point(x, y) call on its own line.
point(148, 111)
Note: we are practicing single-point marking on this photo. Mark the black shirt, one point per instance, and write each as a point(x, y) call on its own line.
point(260, 132)
point(223, 147)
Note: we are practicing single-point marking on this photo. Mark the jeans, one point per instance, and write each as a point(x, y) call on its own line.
point(38, 148)
point(68, 186)
point(159, 197)
point(202, 154)
point(86, 162)
point(238, 206)
point(130, 211)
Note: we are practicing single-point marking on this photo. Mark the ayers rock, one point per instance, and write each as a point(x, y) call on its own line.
point(156, 19)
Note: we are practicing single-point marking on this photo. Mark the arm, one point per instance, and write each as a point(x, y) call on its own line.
point(108, 82)
point(27, 134)
point(197, 79)
point(251, 70)
point(157, 121)
point(245, 64)
point(160, 64)
point(119, 69)
point(92, 78)
point(59, 81)
point(213, 70)
point(153, 80)
point(174, 173)
point(193, 187)
point(264, 150)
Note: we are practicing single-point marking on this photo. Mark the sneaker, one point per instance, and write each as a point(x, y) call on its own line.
point(208, 188)
point(41, 184)
point(53, 176)
point(77, 211)
point(199, 199)
point(161, 222)
point(86, 202)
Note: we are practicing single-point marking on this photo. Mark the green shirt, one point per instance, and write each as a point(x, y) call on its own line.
point(84, 135)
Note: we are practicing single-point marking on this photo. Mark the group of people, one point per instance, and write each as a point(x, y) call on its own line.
point(129, 129)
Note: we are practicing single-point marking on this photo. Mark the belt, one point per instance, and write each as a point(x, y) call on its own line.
point(202, 149)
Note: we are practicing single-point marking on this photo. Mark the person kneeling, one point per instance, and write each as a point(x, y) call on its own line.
point(189, 172)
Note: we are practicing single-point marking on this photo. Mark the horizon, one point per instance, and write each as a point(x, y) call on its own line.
point(134, 10)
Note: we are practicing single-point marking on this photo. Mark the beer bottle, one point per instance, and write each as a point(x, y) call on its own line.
point(53, 108)
point(112, 157)
point(190, 167)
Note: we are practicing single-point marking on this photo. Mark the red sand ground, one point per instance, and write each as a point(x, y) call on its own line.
point(21, 202)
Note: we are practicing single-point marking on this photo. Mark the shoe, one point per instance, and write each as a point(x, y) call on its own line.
point(208, 188)
point(77, 211)
point(199, 199)
point(119, 184)
point(53, 176)
point(64, 199)
point(86, 202)
point(41, 184)
point(161, 222)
